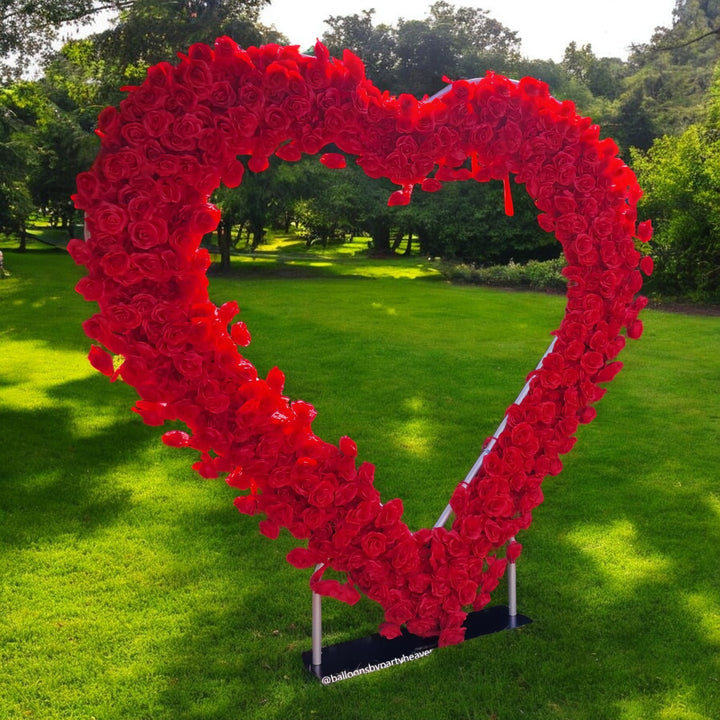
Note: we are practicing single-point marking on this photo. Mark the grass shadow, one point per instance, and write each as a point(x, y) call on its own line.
point(56, 466)
point(39, 302)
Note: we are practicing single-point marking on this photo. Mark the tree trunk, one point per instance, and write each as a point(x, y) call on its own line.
point(408, 247)
point(398, 239)
point(223, 235)
point(380, 233)
point(258, 233)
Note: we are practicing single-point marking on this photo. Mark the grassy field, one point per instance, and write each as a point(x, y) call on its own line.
point(132, 590)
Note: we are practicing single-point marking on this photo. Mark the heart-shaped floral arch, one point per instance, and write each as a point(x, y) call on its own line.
point(170, 144)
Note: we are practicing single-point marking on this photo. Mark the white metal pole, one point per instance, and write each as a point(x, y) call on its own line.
point(445, 514)
point(316, 631)
point(512, 592)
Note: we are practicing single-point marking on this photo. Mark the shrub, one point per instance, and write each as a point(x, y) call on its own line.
point(535, 274)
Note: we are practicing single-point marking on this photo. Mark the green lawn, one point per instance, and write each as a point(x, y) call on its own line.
point(132, 590)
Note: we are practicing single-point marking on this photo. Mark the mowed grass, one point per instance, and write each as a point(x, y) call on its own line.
point(131, 589)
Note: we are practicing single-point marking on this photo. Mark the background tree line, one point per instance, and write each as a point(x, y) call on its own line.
point(661, 105)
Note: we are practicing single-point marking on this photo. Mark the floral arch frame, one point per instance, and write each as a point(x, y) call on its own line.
point(170, 144)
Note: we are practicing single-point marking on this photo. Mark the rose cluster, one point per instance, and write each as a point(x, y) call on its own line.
point(177, 136)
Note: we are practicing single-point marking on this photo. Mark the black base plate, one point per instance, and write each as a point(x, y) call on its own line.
point(368, 654)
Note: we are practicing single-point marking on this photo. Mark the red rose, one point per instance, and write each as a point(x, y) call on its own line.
point(108, 218)
point(592, 361)
point(146, 234)
point(373, 544)
point(276, 118)
point(363, 513)
point(390, 630)
point(322, 494)
point(191, 365)
point(405, 557)
point(205, 219)
point(152, 266)
point(317, 75)
point(157, 122)
point(451, 636)
point(109, 122)
point(400, 612)
point(79, 251)
point(90, 189)
point(251, 96)
point(134, 133)
point(101, 360)
point(222, 94)
point(422, 628)
point(123, 317)
point(212, 397)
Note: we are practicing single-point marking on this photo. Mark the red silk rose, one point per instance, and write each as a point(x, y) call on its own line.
point(146, 199)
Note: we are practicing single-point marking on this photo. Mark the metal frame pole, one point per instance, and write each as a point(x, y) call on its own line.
point(441, 521)
point(512, 592)
point(316, 631)
point(445, 514)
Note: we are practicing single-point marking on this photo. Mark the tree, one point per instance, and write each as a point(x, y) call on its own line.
point(467, 221)
point(63, 149)
point(78, 80)
point(46, 127)
point(27, 29)
point(681, 180)
point(16, 159)
point(673, 72)
point(602, 76)
point(152, 31)
point(635, 119)
point(414, 55)
point(45, 148)
point(375, 44)
point(452, 41)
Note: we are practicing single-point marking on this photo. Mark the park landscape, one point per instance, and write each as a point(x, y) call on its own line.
point(133, 589)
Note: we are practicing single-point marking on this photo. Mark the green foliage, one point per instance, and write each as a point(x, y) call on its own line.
point(601, 76)
point(152, 31)
point(27, 29)
point(42, 149)
point(665, 88)
point(673, 72)
point(453, 42)
point(16, 206)
point(77, 79)
point(415, 55)
point(63, 150)
point(16, 161)
point(467, 221)
point(680, 177)
point(535, 274)
point(375, 44)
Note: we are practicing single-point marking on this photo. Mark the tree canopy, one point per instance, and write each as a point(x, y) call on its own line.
point(660, 105)
point(28, 29)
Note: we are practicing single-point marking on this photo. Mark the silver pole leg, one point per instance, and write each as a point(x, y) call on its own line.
point(512, 594)
point(447, 512)
point(316, 631)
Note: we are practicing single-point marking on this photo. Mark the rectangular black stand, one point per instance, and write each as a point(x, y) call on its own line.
point(369, 654)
